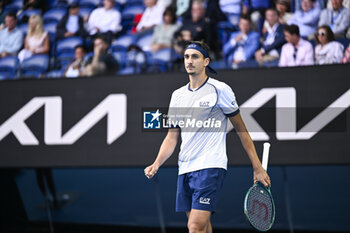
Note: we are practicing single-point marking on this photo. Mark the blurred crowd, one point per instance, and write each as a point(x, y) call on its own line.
point(71, 38)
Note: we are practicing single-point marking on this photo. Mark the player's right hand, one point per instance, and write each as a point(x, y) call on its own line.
point(151, 170)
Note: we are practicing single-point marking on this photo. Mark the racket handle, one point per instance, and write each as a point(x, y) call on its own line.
point(265, 157)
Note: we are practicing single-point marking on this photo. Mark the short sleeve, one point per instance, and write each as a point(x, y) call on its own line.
point(227, 101)
point(171, 118)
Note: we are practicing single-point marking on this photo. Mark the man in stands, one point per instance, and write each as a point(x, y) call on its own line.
point(11, 38)
point(337, 18)
point(105, 21)
point(297, 52)
point(273, 39)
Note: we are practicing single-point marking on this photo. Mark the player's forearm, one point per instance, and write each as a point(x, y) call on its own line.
point(166, 150)
point(249, 147)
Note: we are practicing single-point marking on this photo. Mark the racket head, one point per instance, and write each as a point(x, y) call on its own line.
point(259, 207)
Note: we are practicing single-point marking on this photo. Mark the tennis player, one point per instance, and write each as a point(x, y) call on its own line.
point(202, 159)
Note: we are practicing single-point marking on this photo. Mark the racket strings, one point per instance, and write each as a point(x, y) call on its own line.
point(260, 208)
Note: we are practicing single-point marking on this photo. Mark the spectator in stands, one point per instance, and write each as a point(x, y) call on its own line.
point(307, 18)
point(164, 33)
point(273, 39)
point(152, 16)
point(327, 50)
point(72, 24)
point(256, 9)
point(297, 52)
point(101, 62)
point(338, 18)
point(241, 46)
point(32, 5)
point(2, 13)
point(321, 4)
point(37, 40)
point(105, 21)
point(75, 68)
point(346, 57)
point(346, 3)
point(232, 10)
point(11, 38)
point(195, 28)
point(283, 7)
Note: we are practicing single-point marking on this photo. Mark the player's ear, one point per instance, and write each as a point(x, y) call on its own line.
point(206, 61)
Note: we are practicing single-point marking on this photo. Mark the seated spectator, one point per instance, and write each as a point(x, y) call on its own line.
point(307, 18)
point(32, 5)
point(164, 33)
point(321, 4)
point(195, 28)
point(346, 3)
point(72, 24)
point(256, 9)
point(37, 40)
point(231, 7)
point(327, 50)
point(346, 57)
point(338, 18)
point(11, 38)
point(242, 45)
point(152, 16)
point(75, 69)
point(273, 39)
point(2, 13)
point(105, 20)
point(283, 7)
point(101, 63)
point(297, 52)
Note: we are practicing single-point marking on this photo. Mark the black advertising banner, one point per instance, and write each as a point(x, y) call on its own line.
point(116, 121)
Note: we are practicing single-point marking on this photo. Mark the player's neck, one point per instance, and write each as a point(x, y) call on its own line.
point(197, 81)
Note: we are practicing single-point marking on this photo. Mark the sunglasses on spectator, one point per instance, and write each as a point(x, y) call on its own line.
point(321, 34)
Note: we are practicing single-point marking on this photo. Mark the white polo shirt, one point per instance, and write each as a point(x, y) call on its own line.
point(202, 115)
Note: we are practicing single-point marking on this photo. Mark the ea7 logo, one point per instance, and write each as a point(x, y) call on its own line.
point(286, 115)
point(113, 106)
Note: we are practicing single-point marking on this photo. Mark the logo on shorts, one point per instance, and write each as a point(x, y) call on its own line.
point(204, 200)
point(151, 120)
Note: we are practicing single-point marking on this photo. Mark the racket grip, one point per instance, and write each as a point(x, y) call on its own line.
point(265, 157)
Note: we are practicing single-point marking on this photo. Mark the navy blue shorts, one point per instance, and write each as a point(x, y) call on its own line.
point(199, 189)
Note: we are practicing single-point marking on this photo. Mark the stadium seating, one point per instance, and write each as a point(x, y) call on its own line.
point(54, 15)
point(8, 67)
point(28, 13)
point(35, 66)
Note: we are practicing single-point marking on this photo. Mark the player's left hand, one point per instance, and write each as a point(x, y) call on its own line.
point(262, 176)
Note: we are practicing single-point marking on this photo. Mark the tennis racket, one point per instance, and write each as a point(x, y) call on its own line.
point(259, 206)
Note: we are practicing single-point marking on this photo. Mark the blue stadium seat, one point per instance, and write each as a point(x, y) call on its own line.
point(28, 13)
point(85, 11)
point(162, 60)
point(144, 41)
point(14, 6)
point(120, 55)
point(90, 3)
point(23, 27)
point(51, 29)
point(67, 45)
point(54, 15)
point(35, 66)
point(55, 74)
point(344, 41)
point(131, 11)
point(8, 67)
point(124, 41)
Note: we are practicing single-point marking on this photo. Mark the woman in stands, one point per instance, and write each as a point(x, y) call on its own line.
point(37, 40)
point(327, 50)
point(164, 33)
